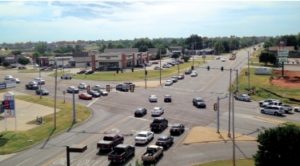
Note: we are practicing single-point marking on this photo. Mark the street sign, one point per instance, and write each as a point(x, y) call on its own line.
point(282, 53)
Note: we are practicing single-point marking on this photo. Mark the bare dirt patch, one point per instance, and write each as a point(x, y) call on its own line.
point(291, 79)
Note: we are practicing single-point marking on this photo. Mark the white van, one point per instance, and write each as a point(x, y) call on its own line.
point(273, 110)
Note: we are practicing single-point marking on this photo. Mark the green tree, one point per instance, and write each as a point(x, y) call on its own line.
point(194, 42)
point(219, 47)
point(278, 146)
point(143, 44)
point(267, 57)
point(23, 60)
point(41, 48)
point(16, 52)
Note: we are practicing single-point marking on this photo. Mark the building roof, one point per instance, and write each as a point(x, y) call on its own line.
point(121, 50)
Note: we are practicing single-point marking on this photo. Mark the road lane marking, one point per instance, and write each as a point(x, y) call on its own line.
point(92, 102)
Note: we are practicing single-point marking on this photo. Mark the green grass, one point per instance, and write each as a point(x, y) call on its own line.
point(136, 75)
point(262, 81)
point(14, 141)
point(241, 162)
point(28, 71)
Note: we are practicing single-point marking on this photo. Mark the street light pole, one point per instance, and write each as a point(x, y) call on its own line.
point(229, 104)
point(160, 66)
point(55, 91)
point(40, 77)
point(248, 73)
point(146, 72)
point(233, 134)
point(218, 115)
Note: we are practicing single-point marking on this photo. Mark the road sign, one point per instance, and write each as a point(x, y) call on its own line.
point(282, 53)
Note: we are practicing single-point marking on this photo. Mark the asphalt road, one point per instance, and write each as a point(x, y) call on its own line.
point(114, 114)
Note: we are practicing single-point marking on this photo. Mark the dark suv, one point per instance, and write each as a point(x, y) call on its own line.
point(159, 124)
point(167, 99)
point(122, 87)
point(199, 102)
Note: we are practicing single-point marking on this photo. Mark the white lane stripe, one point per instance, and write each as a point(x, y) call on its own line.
point(92, 102)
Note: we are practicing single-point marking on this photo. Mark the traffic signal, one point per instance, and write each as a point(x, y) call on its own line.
point(208, 68)
point(222, 68)
point(146, 72)
point(192, 67)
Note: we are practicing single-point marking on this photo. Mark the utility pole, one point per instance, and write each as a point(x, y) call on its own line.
point(194, 54)
point(218, 115)
point(233, 134)
point(146, 73)
point(40, 77)
point(237, 80)
point(178, 68)
point(55, 91)
point(74, 109)
point(229, 104)
point(248, 72)
point(160, 66)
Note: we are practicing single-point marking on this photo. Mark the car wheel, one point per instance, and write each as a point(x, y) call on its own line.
point(262, 111)
point(276, 114)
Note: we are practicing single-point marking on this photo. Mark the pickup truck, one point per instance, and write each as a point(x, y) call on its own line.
point(153, 154)
point(109, 142)
point(121, 153)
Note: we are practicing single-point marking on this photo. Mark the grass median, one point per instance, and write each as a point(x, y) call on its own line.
point(14, 141)
point(137, 74)
point(261, 82)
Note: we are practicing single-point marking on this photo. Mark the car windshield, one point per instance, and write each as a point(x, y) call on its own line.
point(108, 138)
point(162, 139)
point(119, 150)
point(141, 135)
point(199, 100)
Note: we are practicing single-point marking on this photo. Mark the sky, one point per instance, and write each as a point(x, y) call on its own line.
point(22, 21)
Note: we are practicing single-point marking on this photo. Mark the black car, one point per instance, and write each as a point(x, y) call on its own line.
point(43, 92)
point(181, 77)
point(165, 141)
point(122, 87)
point(81, 71)
point(94, 93)
point(139, 112)
point(32, 85)
point(199, 102)
point(66, 77)
point(167, 99)
point(159, 124)
point(177, 129)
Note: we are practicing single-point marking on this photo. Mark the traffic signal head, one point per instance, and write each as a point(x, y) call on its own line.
point(208, 68)
point(222, 68)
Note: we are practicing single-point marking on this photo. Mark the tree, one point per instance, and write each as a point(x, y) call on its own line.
point(194, 42)
point(219, 47)
point(16, 52)
point(267, 57)
point(23, 60)
point(143, 44)
point(41, 48)
point(278, 146)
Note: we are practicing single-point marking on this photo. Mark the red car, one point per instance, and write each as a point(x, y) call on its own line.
point(85, 96)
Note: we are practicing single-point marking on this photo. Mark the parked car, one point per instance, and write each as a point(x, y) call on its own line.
point(122, 87)
point(177, 129)
point(143, 137)
point(89, 72)
point(297, 109)
point(82, 86)
point(181, 77)
point(273, 110)
point(17, 80)
point(94, 93)
point(85, 96)
point(287, 108)
point(174, 78)
point(32, 85)
point(223, 59)
point(168, 83)
point(121, 153)
point(152, 98)
point(108, 142)
point(140, 112)
point(152, 154)
point(159, 124)
point(103, 92)
point(187, 72)
point(199, 102)
point(39, 81)
point(81, 71)
point(157, 111)
point(243, 97)
point(66, 77)
point(157, 68)
point(97, 87)
point(165, 141)
point(8, 77)
point(42, 91)
point(167, 99)
point(72, 89)
point(194, 74)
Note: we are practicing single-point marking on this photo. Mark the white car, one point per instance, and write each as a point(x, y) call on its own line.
point(223, 59)
point(243, 97)
point(273, 110)
point(267, 102)
point(168, 83)
point(39, 80)
point(16, 80)
point(143, 137)
point(82, 85)
point(157, 111)
point(194, 74)
point(153, 98)
point(103, 92)
point(8, 77)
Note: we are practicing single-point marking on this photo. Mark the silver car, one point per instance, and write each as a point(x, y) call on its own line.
point(153, 98)
point(157, 111)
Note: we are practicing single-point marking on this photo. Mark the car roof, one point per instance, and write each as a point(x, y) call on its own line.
point(198, 98)
point(167, 95)
point(163, 136)
point(122, 146)
point(157, 108)
point(153, 146)
point(143, 132)
point(176, 125)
